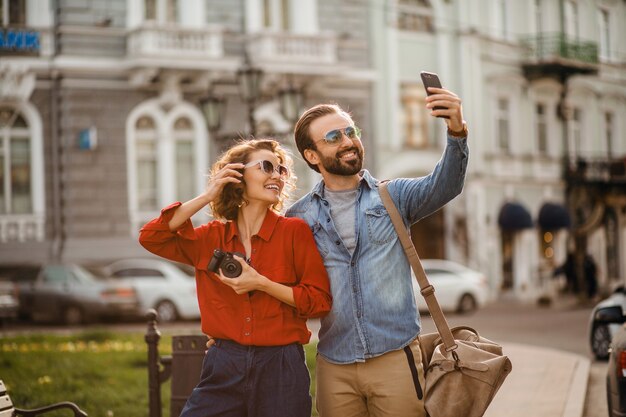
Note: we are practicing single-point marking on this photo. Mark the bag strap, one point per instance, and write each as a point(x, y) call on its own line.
point(426, 289)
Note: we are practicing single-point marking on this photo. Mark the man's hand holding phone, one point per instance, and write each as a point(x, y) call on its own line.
point(443, 103)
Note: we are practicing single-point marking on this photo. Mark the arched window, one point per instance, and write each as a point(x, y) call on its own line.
point(21, 174)
point(167, 151)
point(15, 163)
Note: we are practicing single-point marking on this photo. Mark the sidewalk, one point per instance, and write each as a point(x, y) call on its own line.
point(544, 383)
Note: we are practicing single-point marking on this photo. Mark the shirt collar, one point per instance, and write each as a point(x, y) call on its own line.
point(267, 228)
point(366, 178)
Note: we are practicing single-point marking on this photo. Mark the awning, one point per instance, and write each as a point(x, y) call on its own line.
point(554, 216)
point(514, 216)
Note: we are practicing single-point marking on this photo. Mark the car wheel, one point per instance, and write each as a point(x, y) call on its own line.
point(467, 304)
point(166, 311)
point(600, 341)
point(73, 315)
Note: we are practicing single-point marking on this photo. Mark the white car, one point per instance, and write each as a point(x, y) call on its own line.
point(169, 288)
point(457, 287)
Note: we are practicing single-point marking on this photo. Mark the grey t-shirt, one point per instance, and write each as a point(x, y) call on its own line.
point(342, 206)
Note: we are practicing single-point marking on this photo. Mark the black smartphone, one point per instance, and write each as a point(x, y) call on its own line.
point(430, 79)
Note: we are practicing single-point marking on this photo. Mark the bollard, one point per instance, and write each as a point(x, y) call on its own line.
point(187, 356)
point(156, 375)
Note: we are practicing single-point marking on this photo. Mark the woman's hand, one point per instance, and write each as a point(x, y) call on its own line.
point(249, 280)
point(222, 177)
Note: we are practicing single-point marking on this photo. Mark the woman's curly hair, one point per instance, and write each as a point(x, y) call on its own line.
point(226, 206)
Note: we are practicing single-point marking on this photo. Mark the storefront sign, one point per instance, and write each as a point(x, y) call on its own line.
point(19, 42)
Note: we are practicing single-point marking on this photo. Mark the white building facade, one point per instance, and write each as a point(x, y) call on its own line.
point(543, 84)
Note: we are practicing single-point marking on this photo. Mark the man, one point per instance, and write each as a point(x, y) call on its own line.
point(369, 361)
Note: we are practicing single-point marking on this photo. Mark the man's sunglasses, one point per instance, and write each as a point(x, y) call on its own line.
point(268, 168)
point(334, 136)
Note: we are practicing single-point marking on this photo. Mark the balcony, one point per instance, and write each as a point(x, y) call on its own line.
point(601, 171)
point(554, 54)
point(21, 228)
point(280, 47)
point(164, 43)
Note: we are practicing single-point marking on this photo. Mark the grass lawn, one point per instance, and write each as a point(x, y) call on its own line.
point(105, 373)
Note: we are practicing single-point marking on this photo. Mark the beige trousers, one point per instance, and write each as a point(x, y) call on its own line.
point(380, 387)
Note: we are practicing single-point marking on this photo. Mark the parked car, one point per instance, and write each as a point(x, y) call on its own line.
point(616, 374)
point(73, 294)
point(457, 287)
point(9, 302)
point(605, 321)
point(167, 287)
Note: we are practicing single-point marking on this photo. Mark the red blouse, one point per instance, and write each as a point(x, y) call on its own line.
point(284, 251)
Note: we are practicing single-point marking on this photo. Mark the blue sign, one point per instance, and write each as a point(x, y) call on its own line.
point(88, 139)
point(19, 41)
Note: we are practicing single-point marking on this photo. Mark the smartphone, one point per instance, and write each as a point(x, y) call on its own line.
point(430, 79)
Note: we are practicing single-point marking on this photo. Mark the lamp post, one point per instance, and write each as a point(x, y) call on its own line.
point(290, 99)
point(213, 108)
point(249, 79)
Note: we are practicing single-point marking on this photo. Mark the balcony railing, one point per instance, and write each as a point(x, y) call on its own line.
point(599, 170)
point(160, 42)
point(555, 46)
point(280, 46)
point(21, 228)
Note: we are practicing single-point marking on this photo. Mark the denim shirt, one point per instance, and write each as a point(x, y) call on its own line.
point(374, 310)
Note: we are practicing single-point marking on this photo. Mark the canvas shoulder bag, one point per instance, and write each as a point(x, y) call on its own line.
point(463, 370)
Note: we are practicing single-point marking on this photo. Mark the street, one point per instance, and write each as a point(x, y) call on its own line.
point(562, 326)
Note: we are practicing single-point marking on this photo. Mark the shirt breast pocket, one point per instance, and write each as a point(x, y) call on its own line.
point(379, 227)
point(321, 240)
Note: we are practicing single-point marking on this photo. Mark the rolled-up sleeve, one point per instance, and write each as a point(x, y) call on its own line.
point(178, 245)
point(312, 293)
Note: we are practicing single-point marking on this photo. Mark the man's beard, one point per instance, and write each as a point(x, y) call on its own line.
point(334, 165)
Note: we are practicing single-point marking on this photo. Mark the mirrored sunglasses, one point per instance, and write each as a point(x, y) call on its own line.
point(268, 168)
point(335, 136)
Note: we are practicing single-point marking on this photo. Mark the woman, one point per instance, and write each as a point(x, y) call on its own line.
point(258, 319)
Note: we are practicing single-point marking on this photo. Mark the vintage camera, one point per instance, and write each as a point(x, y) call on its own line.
point(225, 261)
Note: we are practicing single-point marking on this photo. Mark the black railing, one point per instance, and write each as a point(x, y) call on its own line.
point(599, 170)
point(550, 46)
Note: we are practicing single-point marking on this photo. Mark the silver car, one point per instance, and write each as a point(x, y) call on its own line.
point(167, 287)
point(73, 294)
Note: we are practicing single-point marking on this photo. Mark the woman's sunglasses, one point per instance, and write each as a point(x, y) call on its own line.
point(334, 136)
point(268, 168)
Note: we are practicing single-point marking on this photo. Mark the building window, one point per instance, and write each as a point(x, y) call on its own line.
point(502, 126)
point(538, 17)
point(276, 14)
point(575, 133)
point(571, 19)
point(605, 34)
point(15, 163)
point(541, 128)
point(151, 10)
point(171, 11)
point(167, 153)
point(502, 19)
point(185, 162)
point(13, 12)
point(608, 133)
point(415, 16)
point(415, 118)
point(147, 167)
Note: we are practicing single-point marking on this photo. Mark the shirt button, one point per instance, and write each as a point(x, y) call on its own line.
point(337, 242)
point(246, 334)
point(328, 220)
point(352, 263)
point(325, 203)
point(248, 319)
